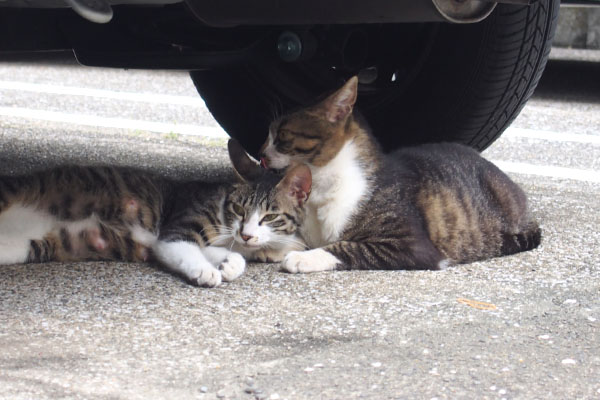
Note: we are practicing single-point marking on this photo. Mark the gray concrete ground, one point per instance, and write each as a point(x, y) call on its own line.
point(133, 331)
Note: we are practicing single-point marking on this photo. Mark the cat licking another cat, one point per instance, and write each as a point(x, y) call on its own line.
point(201, 231)
point(422, 207)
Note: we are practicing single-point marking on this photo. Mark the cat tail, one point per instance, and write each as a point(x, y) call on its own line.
point(527, 239)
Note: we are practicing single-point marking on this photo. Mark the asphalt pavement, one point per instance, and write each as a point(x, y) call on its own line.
point(520, 327)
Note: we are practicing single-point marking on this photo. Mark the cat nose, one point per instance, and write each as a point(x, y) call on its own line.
point(245, 238)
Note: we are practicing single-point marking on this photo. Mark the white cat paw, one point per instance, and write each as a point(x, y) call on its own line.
point(209, 277)
point(186, 259)
point(232, 267)
point(315, 260)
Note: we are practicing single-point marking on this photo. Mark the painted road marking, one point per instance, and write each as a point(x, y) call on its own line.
point(549, 171)
point(122, 123)
point(550, 136)
point(101, 93)
point(217, 132)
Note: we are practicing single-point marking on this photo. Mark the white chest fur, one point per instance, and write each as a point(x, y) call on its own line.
point(338, 188)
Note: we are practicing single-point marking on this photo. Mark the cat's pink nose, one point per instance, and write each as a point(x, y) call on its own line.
point(245, 238)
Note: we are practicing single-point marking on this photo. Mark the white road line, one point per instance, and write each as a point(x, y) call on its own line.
point(122, 123)
point(216, 132)
point(549, 171)
point(198, 102)
point(101, 93)
point(550, 136)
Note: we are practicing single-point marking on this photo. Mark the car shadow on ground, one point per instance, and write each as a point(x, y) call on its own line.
point(569, 80)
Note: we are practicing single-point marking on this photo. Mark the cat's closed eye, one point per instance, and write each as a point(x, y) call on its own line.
point(285, 135)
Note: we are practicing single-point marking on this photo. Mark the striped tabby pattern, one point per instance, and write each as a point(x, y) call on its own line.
point(201, 231)
point(423, 207)
point(93, 209)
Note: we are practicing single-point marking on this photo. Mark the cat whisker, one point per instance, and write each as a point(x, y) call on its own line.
point(223, 229)
point(284, 240)
point(224, 235)
point(219, 240)
point(288, 242)
point(276, 109)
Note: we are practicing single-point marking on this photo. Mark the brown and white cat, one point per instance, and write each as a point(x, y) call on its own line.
point(202, 231)
point(422, 207)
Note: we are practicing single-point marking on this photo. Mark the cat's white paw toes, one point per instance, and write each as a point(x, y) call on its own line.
point(291, 262)
point(209, 277)
point(233, 266)
point(315, 260)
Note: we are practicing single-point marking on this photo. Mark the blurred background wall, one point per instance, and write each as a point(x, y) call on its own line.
point(578, 27)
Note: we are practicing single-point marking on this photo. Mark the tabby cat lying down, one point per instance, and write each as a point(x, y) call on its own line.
point(201, 231)
point(423, 207)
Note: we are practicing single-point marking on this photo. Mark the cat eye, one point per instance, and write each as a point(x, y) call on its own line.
point(284, 134)
point(277, 224)
point(239, 210)
point(269, 217)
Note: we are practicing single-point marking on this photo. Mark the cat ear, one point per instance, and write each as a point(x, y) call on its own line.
point(245, 167)
point(297, 183)
point(339, 105)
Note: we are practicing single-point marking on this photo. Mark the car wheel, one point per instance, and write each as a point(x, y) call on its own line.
point(431, 82)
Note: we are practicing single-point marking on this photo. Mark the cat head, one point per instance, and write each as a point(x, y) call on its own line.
point(265, 210)
point(312, 135)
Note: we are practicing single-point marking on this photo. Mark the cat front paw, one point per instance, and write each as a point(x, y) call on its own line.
point(209, 277)
point(232, 267)
point(315, 260)
point(187, 259)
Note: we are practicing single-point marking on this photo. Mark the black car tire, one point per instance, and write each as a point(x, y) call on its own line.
point(474, 81)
